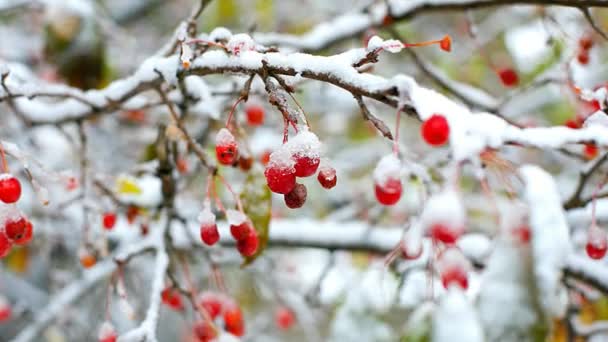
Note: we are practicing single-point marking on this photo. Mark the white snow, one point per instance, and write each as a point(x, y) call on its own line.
point(220, 34)
point(224, 137)
point(389, 167)
point(305, 144)
point(206, 216)
point(240, 43)
point(455, 319)
point(281, 158)
point(235, 217)
point(444, 208)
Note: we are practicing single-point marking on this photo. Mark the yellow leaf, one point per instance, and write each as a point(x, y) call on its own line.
point(127, 186)
point(18, 260)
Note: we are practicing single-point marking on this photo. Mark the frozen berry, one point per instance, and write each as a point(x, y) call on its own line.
point(107, 333)
point(435, 130)
point(233, 320)
point(508, 77)
point(522, 234)
point(10, 188)
point(389, 193)
point(585, 43)
point(583, 57)
point(248, 246)
point(15, 228)
point(5, 245)
point(443, 232)
point(87, 259)
point(284, 318)
point(226, 148)
point(306, 165)
point(255, 115)
point(327, 177)
point(280, 180)
point(454, 276)
point(410, 251)
point(209, 234)
point(171, 298)
point(27, 235)
point(211, 302)
point(245, 162)
point(109, 220)
point(296, 197)
point(240, 231)
point(597, 243)
point(265, 157)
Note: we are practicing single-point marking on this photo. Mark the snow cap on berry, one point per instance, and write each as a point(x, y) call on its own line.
point(106, 330)
point(390, 45)
point(224, 137)
point(281, 159)
point(220, 34)
point(206, 216)
point(411, 243)
point(235, 217)
point(389, 167)
point(444, 208)
point(305, 144)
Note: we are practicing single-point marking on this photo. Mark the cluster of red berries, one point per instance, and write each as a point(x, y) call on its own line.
point(584, 44)
point(16, 229)
point(241, 229)
point(171, 297)
point(218, 306)
point(300, 157)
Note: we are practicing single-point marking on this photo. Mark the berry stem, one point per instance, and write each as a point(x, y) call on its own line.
point(192, 291)
point(4, 163)
point(236, 198)
point(430, 42)
point(218, 202)
point(232, 111)
point(302, 109)
point(594, 199)
point(285, 130)
point(396, 141)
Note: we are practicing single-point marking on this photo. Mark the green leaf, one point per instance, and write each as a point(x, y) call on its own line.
point(257, 204)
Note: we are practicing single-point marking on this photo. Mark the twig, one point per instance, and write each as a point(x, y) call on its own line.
point(378, 123)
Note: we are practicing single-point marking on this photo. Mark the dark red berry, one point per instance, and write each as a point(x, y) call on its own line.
point(241, 231)
point(209, 234)
point(296, 197)
point(306, 165)
point(245, 163)
point(15, 228)
point(280, 180)
point(10, 189)
point(327, 177)
point(172, 298)
point(389, 193)
point(248, 246)
point(5, 245)
point(255, 115)
point(284, 318)
point(226, 148)
point(455, 275)
point(508, 77)
point(435, 130)
point(109, 220)
point(583, 57)
point(585, 43)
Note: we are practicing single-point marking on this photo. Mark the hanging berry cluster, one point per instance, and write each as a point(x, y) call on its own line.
point(584, 47)
point(16, 229)
point(219, 309)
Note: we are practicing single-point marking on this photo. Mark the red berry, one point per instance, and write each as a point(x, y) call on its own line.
point(5, 310)
point(209, 234)
point(585, 43)
point(454, 275)
point(245, 163)
point(446, 44)
point(583, 57)
point(255, 115)
point(296, 197)
point(280, 180)
point(107, 333)
point(248, 246)
point(591, 151)
point(573, 123)
point(211, 302)
point(132, 213)
point(390, 192)
point(241, 231)
point(87, 259)
point(233, 320)
point(226, 148)
point(10, 188)
point(443, 233)
point(597, 243)
point(5, 245)
point(172, 298)
point(327, 177)
point(182, 165)
point(265, 157)
point(204, 331)
point(15, 228)
point(27, 235)
point(284, 318)
point(387, 20)
point(435, 130)
point(306, 165)
point(109, 220)
point(522, 234)
point(508, 77)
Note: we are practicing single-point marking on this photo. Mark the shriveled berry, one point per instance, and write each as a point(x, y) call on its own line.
point(211, 302)
point(245, 163)
point(109, 220)
point(248, 246)
point(209, 234)
point(306, 165)
point(171, 298)
point(327, 177)
point(15, 228)
point(204, 331)
point(284, 318)
point(10, 188)
point(280, 180)
point(255, 115)
point(226, 147)
point(454, 276)
point(435, 130)
point(5, 245)
point(443, 233)
point(233, 320)
point(508, 77)
point(389, 193)
point(296, 197)
point(27, 235)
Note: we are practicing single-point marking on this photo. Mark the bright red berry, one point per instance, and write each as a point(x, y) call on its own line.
point(327, 177)
point(209, 234)
point(508, 77)
point(454, 275)
point(522, 234)
point(226, 148)
point(280, 180)
point(15, 228)
point(27, 235)
point(284, 318)
point(597, 243)
point(109, 220)
point(211, 302)
point(241, 231)
point(389, 193)
point(204, 331)
point(435, 130)
point(5, 245)
point(573, 123)
point(10, 188)
point(591, 151)
point(296, 197)
point(306, 165)
point(171, 298)
point(446, 44)
point(255, 115)
point(583, 57)
point(442, 232)
point(233, 320)
point(107, 333)
point(248, 246)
